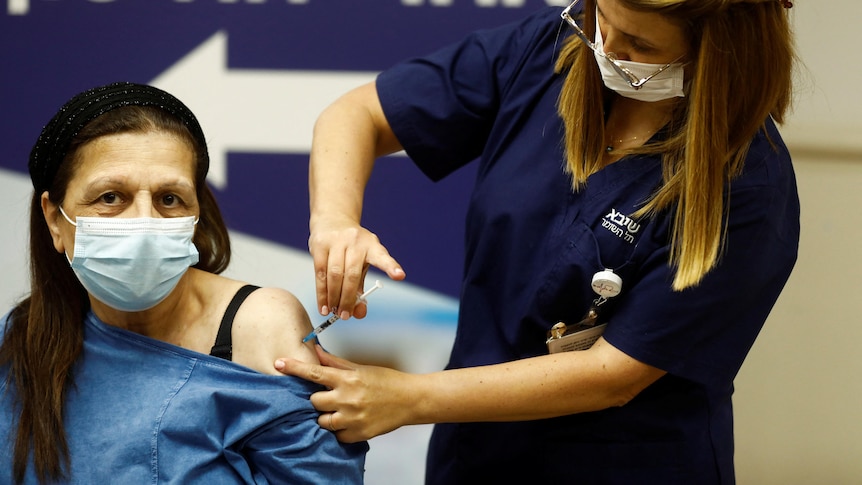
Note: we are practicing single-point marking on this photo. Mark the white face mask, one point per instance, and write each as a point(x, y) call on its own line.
point(132, 264)
point(665, 85)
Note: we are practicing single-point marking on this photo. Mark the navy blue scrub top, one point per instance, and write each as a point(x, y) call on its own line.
point(533, 245)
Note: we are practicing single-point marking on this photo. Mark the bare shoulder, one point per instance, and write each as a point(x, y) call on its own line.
point(271, 324)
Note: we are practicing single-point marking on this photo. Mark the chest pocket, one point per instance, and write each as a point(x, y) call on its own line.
point(617, 236)
point(617, 243)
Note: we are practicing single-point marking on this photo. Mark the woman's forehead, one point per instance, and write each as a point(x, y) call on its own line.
point(154, 155)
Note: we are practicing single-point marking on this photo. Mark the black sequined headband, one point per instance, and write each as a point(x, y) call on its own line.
point(53, 143)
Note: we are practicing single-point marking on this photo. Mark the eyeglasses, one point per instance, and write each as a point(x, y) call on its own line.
point(626, 74)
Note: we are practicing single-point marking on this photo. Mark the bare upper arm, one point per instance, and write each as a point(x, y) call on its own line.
point(362, 103)
point(271, 324)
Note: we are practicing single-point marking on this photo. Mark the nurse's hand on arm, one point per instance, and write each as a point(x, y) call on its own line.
point(348, 136)
point(367, 401)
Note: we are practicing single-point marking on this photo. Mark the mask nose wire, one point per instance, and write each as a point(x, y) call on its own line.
point(76, 224)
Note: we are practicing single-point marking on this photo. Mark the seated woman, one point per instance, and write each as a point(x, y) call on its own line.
point(109, 370)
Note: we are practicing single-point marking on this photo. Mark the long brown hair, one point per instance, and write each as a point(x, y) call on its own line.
point(44, 337)
point(743, 58)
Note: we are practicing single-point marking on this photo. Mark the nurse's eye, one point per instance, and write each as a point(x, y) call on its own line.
point(642, 48)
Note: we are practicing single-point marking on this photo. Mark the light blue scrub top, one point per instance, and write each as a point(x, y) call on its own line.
point(144, 411)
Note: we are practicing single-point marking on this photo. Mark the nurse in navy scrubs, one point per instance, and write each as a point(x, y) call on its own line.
point(630, 176)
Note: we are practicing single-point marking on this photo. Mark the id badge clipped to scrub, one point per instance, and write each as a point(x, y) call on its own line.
point(582, 335)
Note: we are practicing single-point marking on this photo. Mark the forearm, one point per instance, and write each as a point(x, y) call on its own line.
point(371, 400)
point(536, 388)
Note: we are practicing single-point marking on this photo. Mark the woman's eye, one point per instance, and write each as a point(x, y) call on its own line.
point(109, 198)
point(170, 200)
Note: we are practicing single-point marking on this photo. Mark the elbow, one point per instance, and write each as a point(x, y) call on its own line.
point(626, 390)
point(619, 378)
point(619, 397)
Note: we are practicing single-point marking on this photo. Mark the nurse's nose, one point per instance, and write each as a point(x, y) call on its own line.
point(614, 43)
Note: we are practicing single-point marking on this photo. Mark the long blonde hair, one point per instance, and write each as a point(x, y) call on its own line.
point(743, 58)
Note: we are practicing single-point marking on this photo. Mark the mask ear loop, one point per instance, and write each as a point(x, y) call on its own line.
point(67, 217)
point(72, 223)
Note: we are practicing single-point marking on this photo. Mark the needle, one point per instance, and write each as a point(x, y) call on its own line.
point(334, 318)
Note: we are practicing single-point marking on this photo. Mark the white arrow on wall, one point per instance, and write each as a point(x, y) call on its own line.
point(252, 110)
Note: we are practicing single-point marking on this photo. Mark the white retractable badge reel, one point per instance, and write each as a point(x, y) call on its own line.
point(582, 335)
point(607, 284)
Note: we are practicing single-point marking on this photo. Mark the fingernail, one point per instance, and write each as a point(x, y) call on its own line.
point(279, 364)
point(345, 315)
point(324, 310)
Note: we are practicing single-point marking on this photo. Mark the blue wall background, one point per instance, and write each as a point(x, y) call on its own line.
point(53, 49)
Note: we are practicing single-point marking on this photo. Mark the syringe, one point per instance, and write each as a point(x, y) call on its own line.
point(334, 317)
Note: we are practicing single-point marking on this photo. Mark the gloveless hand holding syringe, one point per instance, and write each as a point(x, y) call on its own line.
point(334, 317)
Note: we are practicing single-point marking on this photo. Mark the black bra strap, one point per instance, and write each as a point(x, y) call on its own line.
point(223, 347)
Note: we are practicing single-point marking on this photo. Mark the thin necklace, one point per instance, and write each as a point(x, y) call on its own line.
point(619, 141)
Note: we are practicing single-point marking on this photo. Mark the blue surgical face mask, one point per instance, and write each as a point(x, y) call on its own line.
point(132, 264)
